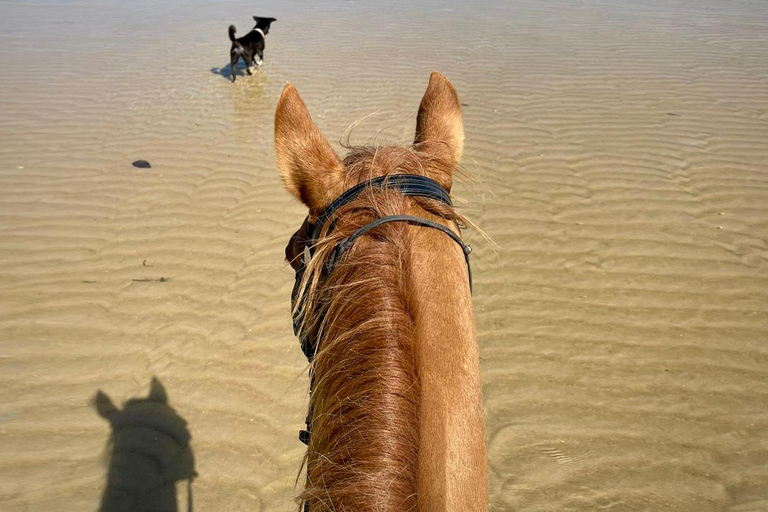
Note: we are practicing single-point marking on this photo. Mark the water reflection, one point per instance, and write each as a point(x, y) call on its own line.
point(149, 452)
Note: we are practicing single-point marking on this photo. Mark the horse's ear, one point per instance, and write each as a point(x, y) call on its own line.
point(439, 128)
point(310, 168)
point(104, 405)
point(157, 392)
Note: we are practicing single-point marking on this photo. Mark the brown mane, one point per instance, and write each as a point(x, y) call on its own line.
point(365, 432)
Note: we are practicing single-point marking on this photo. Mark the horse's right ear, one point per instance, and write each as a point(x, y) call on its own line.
point(310, 168)
point(439, 129)
point(157, 392)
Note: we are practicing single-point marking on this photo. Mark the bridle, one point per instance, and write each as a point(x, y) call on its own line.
point(408, 185)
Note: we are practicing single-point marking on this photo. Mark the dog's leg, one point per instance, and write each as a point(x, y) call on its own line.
point(260, 59)
point(233, 64)
point(249, 64)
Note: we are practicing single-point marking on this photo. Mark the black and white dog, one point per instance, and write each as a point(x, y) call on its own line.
point(250, 47)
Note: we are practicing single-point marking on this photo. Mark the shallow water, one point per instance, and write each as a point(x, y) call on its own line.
point(618, 159)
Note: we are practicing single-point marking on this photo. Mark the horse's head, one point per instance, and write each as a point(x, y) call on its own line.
point(382, 281)
point(315, 174)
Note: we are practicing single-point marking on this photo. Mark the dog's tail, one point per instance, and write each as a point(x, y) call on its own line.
point(232, 34)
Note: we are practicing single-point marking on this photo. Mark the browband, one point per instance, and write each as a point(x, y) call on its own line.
point(410, 219)
point(406, 184)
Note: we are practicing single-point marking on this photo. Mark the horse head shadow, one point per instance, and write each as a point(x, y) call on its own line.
point(150, 452)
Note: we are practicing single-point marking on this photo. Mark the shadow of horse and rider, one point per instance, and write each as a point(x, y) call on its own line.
point(149, 451)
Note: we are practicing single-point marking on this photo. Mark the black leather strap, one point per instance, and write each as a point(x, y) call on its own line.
point(346, 244)
point(406, 184)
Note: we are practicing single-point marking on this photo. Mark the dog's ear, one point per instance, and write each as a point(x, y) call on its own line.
point(439, 129)
point(256, 19)
point(310, 168)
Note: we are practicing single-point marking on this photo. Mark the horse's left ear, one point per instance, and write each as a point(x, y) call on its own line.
point(311, 169)
point(104, 406)
point(439, 128)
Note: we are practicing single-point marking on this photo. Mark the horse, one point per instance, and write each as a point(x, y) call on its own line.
point(382, 305)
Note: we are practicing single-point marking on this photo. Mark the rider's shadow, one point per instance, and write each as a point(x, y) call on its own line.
point(150, 451)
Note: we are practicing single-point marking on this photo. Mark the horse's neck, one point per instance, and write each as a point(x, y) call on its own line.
point(452, 459)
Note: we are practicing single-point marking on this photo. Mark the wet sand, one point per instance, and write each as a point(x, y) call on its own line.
point(619, 161)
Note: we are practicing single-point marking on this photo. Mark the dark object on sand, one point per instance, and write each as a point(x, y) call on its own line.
point(142, 164)
point(250, 47)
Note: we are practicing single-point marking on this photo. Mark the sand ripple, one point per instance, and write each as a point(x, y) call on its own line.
point(618, 155)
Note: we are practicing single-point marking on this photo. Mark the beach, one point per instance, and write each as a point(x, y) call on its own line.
point(616, 156)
